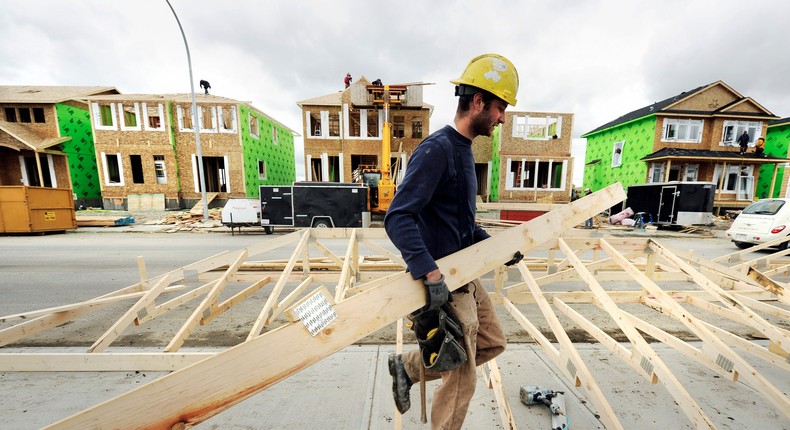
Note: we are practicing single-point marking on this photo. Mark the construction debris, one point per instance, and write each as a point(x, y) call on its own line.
point(190, 221)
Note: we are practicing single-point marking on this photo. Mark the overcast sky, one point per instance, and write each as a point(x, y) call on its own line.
point(596, 59)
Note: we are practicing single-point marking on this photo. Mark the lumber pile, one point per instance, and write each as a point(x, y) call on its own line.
point(190, 221)
point(103, 221)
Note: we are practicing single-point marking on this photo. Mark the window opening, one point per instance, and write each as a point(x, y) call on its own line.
point(159, 169)
point(10, 114)
point(261, 169)
point(398, 126)
point(113, 169)
point(416, 129)
point(682, 130)
point(373, 123)
point(38, 115)
point(129, 115)
point(228, 118)
point(734, 129)
point(334, 124)
point(207, 122)
point(105, 115)
point(617, 153)
point(186, 117)
point(315, 124)
point(255, 130)
point(152, 113)
point(24, 115)
point(353, 123)
point(136, 163)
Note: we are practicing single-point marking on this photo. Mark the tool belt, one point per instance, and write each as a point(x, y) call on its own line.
point(440, 339)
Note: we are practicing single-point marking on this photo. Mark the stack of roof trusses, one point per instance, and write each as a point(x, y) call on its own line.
point(625, 293)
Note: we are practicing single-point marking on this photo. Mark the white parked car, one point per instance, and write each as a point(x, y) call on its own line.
point(761, 221)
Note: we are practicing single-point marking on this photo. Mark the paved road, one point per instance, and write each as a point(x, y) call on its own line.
point(347, 390)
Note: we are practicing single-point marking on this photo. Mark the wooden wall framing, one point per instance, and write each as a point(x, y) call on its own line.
point(748, 292)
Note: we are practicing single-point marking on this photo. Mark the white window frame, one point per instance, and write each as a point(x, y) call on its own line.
point(160, 165)
point(532, 182)
point(122, 117)
point(685, 130)
point(221, 122)
point(690, 172)
point(180, 113)
point(521, 126)
point(97, 123)
point(617, 158)
point(146, 123)
point(754, 128)
point(275, 135)
point(104, 157)
point(656, 169)
point(257, 132)
point(739, 172)
point(213, 112)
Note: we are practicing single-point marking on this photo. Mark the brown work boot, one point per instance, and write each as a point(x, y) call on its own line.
point(401, 384)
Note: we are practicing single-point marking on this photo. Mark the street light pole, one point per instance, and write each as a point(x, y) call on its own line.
point(195, 120)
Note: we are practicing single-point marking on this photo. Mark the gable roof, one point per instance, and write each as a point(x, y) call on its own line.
point(48, 94)
point(25, 139)
point(666, 107)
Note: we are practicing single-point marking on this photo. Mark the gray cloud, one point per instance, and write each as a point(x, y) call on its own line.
point(597, 59)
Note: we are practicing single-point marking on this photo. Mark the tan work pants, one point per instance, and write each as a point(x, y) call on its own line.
point(483, 340)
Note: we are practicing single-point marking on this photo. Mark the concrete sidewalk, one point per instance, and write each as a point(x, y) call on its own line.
point(352, 390)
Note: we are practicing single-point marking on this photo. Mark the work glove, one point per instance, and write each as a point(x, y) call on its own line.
point(436, 294)
point(516, 258)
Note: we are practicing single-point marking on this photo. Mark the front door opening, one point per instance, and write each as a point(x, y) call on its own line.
point(216, 175)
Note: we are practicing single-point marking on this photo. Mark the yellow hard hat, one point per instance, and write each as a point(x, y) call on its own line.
point(493, 73)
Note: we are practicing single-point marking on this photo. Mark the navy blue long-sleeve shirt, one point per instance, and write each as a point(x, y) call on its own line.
point(430, 217)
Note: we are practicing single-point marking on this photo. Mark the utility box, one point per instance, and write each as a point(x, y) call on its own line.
point(315, 204)
point(26, 209)
point(673, 203)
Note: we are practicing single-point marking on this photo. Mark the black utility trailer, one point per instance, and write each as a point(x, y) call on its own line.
point(673, 203)
point(315, 204)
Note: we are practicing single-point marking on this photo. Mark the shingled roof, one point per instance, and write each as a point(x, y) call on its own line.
point(708, 154)
point(665, 106)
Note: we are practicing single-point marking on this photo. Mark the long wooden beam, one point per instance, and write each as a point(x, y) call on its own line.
point(247, 368)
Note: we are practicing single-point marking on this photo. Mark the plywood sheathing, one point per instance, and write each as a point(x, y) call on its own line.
point(586, 261)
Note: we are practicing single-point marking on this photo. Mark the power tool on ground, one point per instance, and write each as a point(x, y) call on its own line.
point(554, 400)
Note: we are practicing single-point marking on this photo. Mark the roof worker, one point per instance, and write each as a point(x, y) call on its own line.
point(759, 147)
point(433, 215)
point(205, 85)
point(347, 80)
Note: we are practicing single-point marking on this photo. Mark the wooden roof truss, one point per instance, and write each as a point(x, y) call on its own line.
point(612, 272)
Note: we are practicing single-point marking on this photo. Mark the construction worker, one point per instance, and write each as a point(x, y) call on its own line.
point(433, 215)
point(759, 147)
point(347, 80)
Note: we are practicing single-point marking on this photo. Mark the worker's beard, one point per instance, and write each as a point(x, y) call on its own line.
point(482, 124)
